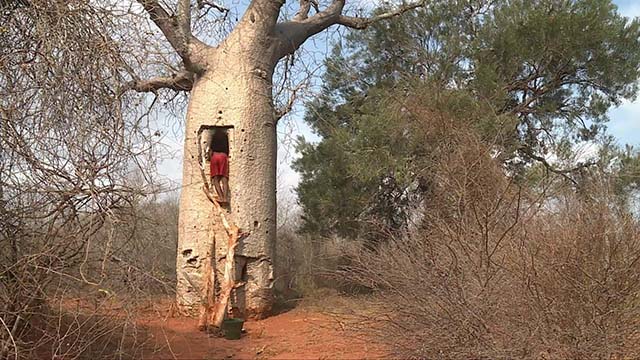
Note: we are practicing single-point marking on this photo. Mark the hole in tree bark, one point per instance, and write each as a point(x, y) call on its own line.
point(256, 223)
point(187, 252)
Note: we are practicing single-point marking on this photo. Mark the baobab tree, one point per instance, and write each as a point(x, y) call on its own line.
point(162, 47)
point(230, 84)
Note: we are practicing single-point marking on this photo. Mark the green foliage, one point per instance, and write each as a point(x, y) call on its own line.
point(368, 175)
point(563, 64)
point(531, 78)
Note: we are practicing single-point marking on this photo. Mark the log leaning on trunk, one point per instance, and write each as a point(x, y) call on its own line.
point(229, 283)
point(213, 312)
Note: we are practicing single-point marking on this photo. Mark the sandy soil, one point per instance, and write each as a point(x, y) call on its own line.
point(296, 334)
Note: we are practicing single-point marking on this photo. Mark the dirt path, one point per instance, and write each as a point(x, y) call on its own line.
point(297, 334)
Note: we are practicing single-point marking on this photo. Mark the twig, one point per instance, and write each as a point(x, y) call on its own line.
point(4, 347)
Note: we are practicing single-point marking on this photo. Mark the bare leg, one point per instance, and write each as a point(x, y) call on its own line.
point(216, 184)
point(224, 181)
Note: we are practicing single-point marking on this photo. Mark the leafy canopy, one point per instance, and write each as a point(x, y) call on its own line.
point(531, 78)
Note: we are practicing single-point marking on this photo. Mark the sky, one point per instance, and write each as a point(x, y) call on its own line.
point(625, 120)
point(624, 124)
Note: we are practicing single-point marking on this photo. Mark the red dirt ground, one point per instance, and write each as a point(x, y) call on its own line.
point(297, 334)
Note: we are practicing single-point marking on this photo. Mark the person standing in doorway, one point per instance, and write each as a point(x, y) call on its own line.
point(219, 150)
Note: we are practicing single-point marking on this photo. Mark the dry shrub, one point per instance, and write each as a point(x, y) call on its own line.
point(81, 245)
point(77, 160)
point(65, 326)
point(496, 271)
point(59, 301)
point(307, 264)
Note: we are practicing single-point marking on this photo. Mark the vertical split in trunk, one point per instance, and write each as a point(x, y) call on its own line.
point(234, 93)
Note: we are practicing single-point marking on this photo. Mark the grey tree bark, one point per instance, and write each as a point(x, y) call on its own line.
point(237, 93)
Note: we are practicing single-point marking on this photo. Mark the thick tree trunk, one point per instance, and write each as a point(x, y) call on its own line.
point(235, 92)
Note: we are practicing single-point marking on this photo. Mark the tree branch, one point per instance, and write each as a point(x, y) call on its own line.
point(286, 108)
point(211, 5)
point(261, 16)
point(562, 172)
point(163, 20)
point(182, 81)
point(177, 31)
point(294, 33)
point(184, 20)
point(363, 23)
point(305, 6)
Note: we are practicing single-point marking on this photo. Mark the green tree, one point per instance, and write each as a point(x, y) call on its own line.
point(534, 78)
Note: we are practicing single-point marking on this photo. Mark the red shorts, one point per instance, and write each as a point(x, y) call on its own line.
point(219, 164)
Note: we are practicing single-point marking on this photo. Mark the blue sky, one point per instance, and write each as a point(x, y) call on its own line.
point(625, 120)
point(624, 124)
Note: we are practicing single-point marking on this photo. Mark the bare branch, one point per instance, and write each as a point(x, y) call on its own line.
point(295, 32)
point(303, 12)
point(164, 21)
point(261, 15)
point(182, 81)
point(286, 108)
point(362, 23)
point(177, 31)
point(562, 172)
point(212, 5)
point(315, 5)
point(184, 19)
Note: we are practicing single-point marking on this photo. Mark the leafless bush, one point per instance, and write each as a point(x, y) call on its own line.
point(497, 271)
point(137, 253)
point(76, 170)
point(305, 263)
point(88, 303)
